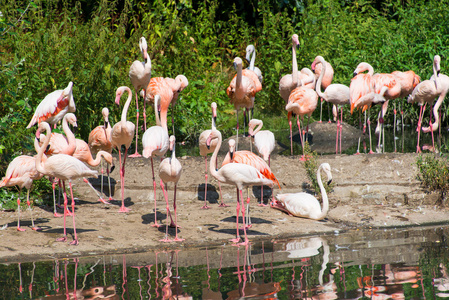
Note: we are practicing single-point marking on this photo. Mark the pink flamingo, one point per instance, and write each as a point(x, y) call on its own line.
point(155, 142)
point(362, 84)
point(251, 159)
point(303, 204)
point(83, 153)
point(438, 89)
point(140, 75)
point(242, 90)
point(22, 172)
point(240, 175)
point(64, 167)
point(54, 106)
point(170, 171)
point(61, 144)
point(178, 85)
point(302, 101)
point(263, 139)
point(337, 94)
point(328, 74)
point(122, 134)
point(100, 139)
point(251, 58)
point(204, 151)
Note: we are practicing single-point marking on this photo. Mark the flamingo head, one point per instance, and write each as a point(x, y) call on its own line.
point(66, 93)
point(327, 169)
point(184, 82)
point(213, 135)
point(143, 48)
point(172, 142)
point(71, 119)
point(214, 111)
point(231, 144)
point(251, 125)
point(119, 93)
point(317, 60)
point(249, 50)
point(237, 63)
point(295, 41)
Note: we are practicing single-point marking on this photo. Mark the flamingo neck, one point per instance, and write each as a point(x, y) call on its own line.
point(71, 147)
point(258, 128)
point(325, 206)
point(39, 166)
point(238, 80)
point(95, 162)
point(213, 161)
point(253, 60)
point(125, 108)
point(320, 78)
point(294, 66)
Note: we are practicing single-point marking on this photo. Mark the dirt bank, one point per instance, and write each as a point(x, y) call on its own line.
point(377, 190)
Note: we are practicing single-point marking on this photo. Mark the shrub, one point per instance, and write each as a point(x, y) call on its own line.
point(434, 174)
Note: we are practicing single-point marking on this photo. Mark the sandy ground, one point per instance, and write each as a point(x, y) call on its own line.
point(371, 191)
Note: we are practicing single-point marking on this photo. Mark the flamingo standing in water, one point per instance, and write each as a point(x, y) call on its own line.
point(242, 90)
point(251, 58)
point(122, 134)
point(54, 106)
point(337, 94)
point(100, 139)
point(170, 171)
point(204, 151)
point(319, 67)
point(155, 142)
point(64, 167)
point(22, 172)
point(302, 101)
point(426, 92)
point(140, 75)
point(240, 175)
point(362, 84)
point(303, 204)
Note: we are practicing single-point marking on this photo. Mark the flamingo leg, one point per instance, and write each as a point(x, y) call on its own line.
point(338, 128)
point(53, 185)
point(394, 127)
point(122, 180)
point(301, 136)
point(154, 188)
point(31, 210)
point(144, 111)
point(96, 192)
point(64, 237)
point(321, 111)
point(75, 241)
point(205, 187)
point(245, 242)
point(369, 130)
point(109, 183)
point(237, 143)
point(421, 113)
point(136, 154)
point(102, 173)
point(291, 135)
point(237, 239)
point(177, 239)
point(166, 239)
point(18, 211)
point(248, 217)
point(341, 125)
point(329, 112)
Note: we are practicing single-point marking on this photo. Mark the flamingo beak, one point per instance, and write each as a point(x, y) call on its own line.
point(112, 168)
point(329, 182)
point(231, 154)
point(235, 66)
point(354, 74)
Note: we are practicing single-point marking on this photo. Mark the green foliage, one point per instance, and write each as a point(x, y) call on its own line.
point(311, 166)
point(434, 174)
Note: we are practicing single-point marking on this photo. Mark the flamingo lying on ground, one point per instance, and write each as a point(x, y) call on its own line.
point(240, 175)
point(64, 167)
point(204, 151)
point(122, 134)
point(54, 106)
point(303, 204)
point(170, 171)
point(140, 75)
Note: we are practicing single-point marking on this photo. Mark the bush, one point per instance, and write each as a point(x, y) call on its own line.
point(434, 174)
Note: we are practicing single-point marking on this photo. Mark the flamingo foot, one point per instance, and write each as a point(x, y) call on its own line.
point(177, 239)
point(205, 207)
point(223, 205)
point(69, 213)
point(36, 228)
point(62, 239)
point(320, 121)
point(303, 158)
point(371, 152)
point(329, 121)
point(56, 215)
point(248, 226)
point(357, 153)
point(418, 149)
point(123, 209)
point(166, 240)
point(110, 198)
point(74, 242)
point(20, 229)
point(135, 155)
point(156, 225)
point(262, 204)
point(104, 201)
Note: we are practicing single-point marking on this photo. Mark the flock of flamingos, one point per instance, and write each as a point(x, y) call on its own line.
point(63, 158)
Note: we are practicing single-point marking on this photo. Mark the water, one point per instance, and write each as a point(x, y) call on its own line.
point(404, 263)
